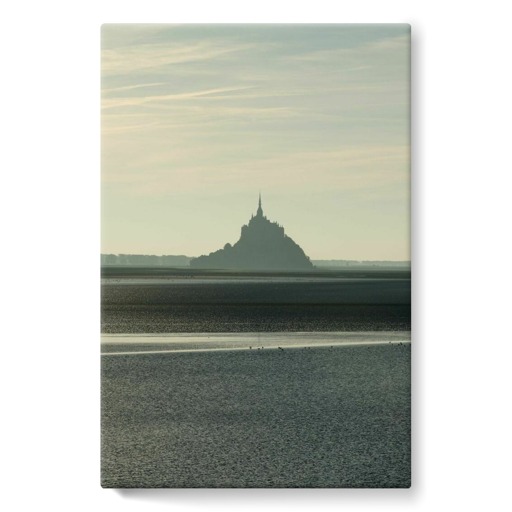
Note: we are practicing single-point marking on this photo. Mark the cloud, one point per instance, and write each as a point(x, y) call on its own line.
point(130, 87)
point(392, 46)
point(353, 170)
point(131, 59)
point(140, 100)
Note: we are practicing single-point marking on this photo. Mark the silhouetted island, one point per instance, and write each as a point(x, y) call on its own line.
point(262, 245)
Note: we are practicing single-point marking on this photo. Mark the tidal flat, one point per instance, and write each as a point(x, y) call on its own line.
point(295, 417)
point(270, 304)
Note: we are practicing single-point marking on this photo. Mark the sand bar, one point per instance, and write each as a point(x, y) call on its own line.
point(135, 344)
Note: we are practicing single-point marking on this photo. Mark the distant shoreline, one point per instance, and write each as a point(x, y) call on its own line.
point(182, 261)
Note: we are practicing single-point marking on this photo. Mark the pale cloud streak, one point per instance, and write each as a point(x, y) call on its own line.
point(393, 48)
point(144, 57)
point(140, 100)
point(130, 87)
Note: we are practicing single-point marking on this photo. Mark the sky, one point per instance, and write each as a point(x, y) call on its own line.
point(197, 120)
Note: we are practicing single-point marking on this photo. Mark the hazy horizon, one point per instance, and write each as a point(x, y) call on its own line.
point(198, 119)
point(194, 256)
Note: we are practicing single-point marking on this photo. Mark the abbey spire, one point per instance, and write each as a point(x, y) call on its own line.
point(259, 213)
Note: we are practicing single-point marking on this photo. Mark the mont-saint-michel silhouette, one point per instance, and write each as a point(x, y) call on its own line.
point(263, 245)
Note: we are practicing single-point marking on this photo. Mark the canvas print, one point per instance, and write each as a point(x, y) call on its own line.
point(255, 266)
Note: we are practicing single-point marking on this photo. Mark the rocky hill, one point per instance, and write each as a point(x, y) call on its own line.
point(263, 245)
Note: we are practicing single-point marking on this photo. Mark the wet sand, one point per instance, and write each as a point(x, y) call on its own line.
point(307, 416)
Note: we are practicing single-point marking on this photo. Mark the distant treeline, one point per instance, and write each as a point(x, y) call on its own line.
point(183, 261)
point(145, 260)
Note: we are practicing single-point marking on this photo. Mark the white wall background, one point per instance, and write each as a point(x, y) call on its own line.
point(50, 234)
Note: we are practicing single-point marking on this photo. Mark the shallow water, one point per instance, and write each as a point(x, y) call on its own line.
point(258, 306)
